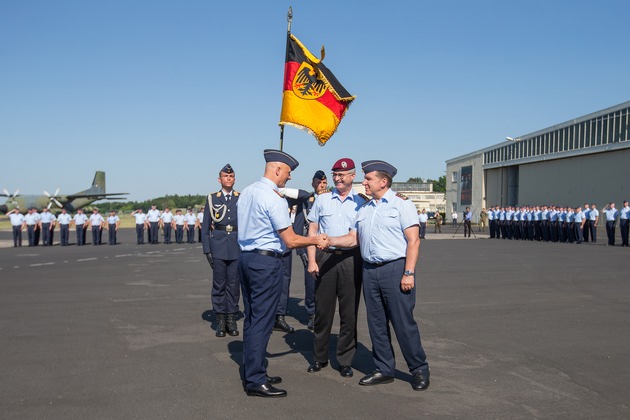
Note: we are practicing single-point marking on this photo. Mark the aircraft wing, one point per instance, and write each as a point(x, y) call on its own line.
point(95, 196)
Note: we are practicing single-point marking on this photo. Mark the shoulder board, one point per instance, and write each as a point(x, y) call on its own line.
point(325, 192)
point(311, 198)
point(403, 196)
point(236, 193)
point(363, 196)
point(218, 194)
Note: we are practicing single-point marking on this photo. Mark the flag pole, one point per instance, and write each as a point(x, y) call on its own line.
point(289, 20)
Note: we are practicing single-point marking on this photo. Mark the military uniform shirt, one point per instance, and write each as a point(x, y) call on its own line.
point(16, 219)
point(64, 219)
point(96, 219)
point(30, 219)
point(593, 214)
point(80, 219)
point(140, 218)
point(335, 217)
point(262, 212)
point(611, 214)
point(179, 219)
point(47, 217)
point(381, 225)
point(423, 217)
point(167, 217)
point(153, 215)
point(190, 218)
point(624, 213)
point(578, 217)
point(112, 220)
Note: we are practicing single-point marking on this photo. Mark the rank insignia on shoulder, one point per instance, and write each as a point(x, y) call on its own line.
point(219, 194)
point(403, 196)
point(325, 192)
point(311, 198)
point(236, 193)
point(363, 196)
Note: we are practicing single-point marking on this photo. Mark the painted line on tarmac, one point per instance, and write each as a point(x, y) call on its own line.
point(123, 255)
point(87, 259)
point(40, 264)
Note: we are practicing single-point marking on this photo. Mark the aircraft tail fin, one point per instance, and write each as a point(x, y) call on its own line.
point(98, 184)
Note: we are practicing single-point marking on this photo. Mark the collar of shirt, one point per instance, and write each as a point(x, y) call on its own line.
point(270, 183)
point(351, 195)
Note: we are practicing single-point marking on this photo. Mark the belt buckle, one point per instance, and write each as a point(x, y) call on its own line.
point(229, 228)
point(338, 252)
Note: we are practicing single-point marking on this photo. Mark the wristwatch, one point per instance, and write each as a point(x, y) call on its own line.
point(409, 273)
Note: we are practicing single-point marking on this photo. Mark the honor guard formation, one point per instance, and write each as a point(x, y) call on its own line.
point(558, 224)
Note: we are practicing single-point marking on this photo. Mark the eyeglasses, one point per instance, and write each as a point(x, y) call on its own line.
point(339, 175)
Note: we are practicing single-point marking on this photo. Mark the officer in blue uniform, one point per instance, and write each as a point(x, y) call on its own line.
point(611, 221)
point(219, 236)
point(386, 228)
point(624, 216)
point(265, 234)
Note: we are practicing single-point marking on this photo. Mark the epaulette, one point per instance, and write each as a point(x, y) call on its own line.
point(236, 193)
point(363, 196)
point(403, 196)
point(325, 192)
point(311, 199)
point(219, 194)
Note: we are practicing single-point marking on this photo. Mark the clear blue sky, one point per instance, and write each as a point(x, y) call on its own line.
point(161, 94)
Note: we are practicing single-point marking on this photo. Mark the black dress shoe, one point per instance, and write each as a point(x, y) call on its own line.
point(316, 367)
point(311, 322)
point(420, 381)
point(281, 325)
point(345, 371)
point(273, 380)
point(265, 390)
point(376, 378)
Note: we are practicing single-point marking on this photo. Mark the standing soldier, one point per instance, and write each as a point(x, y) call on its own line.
point(38, 227)
point(153, 218)
point(219, 237)
point(31, 224)
point(96, 221)
point(386, 228)
point(80, 222)
point(178, 226)
point(624, 216)
point(199, 222)
point(467, 222)
point(141, 220)
point(265, 233)
point(166, 221)
point(593, 219)
point(483, 219)
point(438, 222)
point(337, 269)
point(113, 221)
point(46, 225)
point(422, 219)
point(611, 221)
point(64, 220)
point(17, 225)
point(189, 225)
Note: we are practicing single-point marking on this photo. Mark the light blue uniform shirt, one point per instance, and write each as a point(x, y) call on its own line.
point(501, 215)
point(381, 225)
point(577, 218)
point(611, 214)
point(47, 217)
point(593, 214)
point(153, 215)
point(262, 212)
point(490, 215)
point(624, 213)
point(64, 219)
point(335, 217)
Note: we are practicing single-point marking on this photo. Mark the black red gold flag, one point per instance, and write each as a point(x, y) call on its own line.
point(312, 98)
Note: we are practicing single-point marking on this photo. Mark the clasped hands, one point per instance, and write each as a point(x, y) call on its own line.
point(323, 241)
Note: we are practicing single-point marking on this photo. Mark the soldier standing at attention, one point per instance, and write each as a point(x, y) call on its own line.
point(386, 228)
point(199, 222)
point(153, 217)
point(593, 216)
point(624, 216)
point(422, 219)
point(166, 220)
point(80, 221)
point(31, 222)
point(178, 226)
point(46, 225)
point(611, 220)
point(189, 225)
point(64, 220)
point(438, 222)
point(264, 235)
point(141, 220)
point(483, 219)
point(17, 225)
point(219, 237)
point(113, 221)
point(96, 221)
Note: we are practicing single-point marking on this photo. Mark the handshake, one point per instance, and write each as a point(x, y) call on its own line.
point(323, 241)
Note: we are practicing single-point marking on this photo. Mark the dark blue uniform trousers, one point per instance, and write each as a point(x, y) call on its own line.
point(385, 303)
point(261, 282)
point(610, 231)
point(226, 286)
point(623, 226)
point(112, 233)
point(139, 233)
point(46, 234)
point(155, 228)
point(64, 231)
point(167, 233)
point(80, 237)
point(17, 236)
point(96, 235)
point(30, 231)
point(283, 304)
point(309, 292)
point(179, 234)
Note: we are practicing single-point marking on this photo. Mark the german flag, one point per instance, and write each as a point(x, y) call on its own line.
point(312, 98)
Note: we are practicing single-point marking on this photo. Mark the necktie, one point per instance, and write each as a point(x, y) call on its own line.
point(229, 197)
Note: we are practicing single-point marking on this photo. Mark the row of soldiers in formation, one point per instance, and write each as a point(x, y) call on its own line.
point(40, 227)
point(556, 223)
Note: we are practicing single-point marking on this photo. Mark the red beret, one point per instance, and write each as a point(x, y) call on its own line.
point(344, 164)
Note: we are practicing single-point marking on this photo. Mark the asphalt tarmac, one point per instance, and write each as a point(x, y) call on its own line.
point(512, 329)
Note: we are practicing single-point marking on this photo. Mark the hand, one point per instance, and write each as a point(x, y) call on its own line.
point(406, 284)
point(323, 241)
point(210, 261)
point(313, 268)
point(304, 259)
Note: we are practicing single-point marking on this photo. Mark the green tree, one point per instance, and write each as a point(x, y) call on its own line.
point(417, 179)
point(439, 185)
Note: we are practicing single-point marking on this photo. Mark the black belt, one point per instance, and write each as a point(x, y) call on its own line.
point(379, 264)
point(227, 228)
point(267, 253)
point(340, 251)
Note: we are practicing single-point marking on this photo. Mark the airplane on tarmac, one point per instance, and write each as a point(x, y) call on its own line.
point(69, 202)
